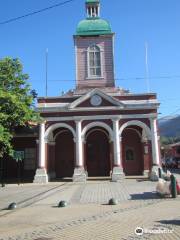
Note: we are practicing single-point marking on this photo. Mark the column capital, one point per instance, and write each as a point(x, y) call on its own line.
point(77, 121)
point(153, 119)
point(114, 120)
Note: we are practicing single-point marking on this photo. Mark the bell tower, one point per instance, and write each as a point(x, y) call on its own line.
point(94, 50)
point(92, 9)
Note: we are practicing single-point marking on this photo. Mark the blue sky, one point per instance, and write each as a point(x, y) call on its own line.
point(134, 22)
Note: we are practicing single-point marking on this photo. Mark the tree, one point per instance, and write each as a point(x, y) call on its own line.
point(16, 102)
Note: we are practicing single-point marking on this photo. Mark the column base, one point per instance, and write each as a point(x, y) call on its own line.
point(79, 175)
point(117, 174)
point(41, 176)
point(146, 173)
point(154, 174)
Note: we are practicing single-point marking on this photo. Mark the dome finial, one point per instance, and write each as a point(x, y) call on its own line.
point(93, 8)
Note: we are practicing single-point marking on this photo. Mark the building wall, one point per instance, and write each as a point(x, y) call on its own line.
point(28, 165)
point(106, 45)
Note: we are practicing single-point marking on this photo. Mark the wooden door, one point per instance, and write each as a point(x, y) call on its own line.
point(97, 154)
point(64, 155)
point(132, 153)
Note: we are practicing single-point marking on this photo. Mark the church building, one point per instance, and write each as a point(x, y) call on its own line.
point(97, 129)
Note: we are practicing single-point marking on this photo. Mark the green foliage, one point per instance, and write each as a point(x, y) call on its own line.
point(169, 140)
point(16, 102)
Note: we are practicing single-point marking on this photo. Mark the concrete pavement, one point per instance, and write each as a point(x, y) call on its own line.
point(88, 216)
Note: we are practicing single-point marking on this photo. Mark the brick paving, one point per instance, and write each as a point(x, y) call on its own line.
point(89, 217)
point(24, 192)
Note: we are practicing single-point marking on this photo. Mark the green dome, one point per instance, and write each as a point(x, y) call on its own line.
point(93, 26)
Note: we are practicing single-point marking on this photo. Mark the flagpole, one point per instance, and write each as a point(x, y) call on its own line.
point(147, 67)
point(46, 72)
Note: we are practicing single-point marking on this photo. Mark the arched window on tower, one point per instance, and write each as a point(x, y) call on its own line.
point(94, 61)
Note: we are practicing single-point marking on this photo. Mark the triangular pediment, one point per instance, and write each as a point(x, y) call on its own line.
point(95, 98)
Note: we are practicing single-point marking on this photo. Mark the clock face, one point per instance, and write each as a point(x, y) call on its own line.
point(96, 100)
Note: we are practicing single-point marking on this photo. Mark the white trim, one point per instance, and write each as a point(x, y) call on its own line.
point(89, 95)
point(76, 61)
point(100, 130)
point(113, 58)
point(112, 93)
point(60, 132)
point(100, 117)
point(58, 125)
point(136, 123)
point(92, 78)
point(51, 105)
point(135, 130)
point(88, 59)
point(99, 109)
point(97, 124)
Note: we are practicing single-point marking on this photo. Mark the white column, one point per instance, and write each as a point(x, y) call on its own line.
point(154, 142)
point(91, 12)
point(41, 174)
point(41, 146)
point(79, 172)
point(79, 148)
point(117, 172)
point(116, 144)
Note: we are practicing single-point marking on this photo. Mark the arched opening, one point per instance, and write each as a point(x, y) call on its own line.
point(64, 153)
point(132, 153)
point(97, 152)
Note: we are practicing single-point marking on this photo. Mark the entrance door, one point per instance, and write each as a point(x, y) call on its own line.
point(64, 155)
point(97, 154)
point(132, 152)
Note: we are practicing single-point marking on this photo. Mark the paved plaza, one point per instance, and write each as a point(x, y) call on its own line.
point(88, 216)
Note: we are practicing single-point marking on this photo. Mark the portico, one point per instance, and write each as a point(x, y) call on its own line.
point(114, 133)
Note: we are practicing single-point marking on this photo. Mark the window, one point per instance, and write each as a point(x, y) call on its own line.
point(30, 159)
point(129, 155)
point(94, 61)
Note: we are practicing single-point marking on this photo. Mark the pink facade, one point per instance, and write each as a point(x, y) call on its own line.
point(105, 43)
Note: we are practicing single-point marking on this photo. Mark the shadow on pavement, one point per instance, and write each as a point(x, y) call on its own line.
point(144, 196)
point(142, 180)
point(61, 180)
point(171, 222)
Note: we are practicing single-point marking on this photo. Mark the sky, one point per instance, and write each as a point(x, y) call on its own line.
point(134, 22)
